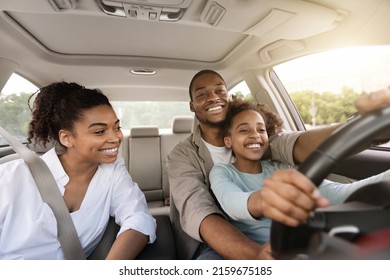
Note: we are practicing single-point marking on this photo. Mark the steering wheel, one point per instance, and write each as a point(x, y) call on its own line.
point(349, 139)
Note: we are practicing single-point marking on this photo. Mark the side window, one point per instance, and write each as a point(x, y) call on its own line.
point(14, 112)
point(324, 86)
point(241, 90)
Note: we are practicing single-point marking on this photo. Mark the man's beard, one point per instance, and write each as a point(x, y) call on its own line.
point(211, 124)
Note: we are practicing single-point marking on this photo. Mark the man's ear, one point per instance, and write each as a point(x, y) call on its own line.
point(192, 107)
point(65, 138)
point(228, 142)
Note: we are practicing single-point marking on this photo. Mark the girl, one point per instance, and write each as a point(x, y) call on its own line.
point(238, 186)
point(92, 179)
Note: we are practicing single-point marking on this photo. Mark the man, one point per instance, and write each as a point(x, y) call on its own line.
point(190, 162)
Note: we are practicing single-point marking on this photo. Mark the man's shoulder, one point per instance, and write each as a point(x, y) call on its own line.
point(183, 149)
point(185, 144)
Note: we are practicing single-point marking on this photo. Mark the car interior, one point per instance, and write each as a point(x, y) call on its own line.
point(148, 51)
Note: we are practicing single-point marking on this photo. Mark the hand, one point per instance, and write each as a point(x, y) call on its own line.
point(289, 197)
point(375, 100)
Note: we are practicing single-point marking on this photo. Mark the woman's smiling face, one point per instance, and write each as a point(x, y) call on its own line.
point(95, 137)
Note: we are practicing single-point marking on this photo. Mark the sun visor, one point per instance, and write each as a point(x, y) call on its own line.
point(7, 68)
point(275, 19)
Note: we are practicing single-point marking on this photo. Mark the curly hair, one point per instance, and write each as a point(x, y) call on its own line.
point(272, 121)
point(58, 106)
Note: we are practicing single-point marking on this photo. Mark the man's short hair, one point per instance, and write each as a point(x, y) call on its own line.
point(201, 73)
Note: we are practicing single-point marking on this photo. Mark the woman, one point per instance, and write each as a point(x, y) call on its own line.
point(92, 179)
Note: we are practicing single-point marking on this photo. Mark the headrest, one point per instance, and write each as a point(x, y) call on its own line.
point(182, 124)
point(144, 131)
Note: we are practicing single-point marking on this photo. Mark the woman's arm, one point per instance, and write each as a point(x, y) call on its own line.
point(127, 245)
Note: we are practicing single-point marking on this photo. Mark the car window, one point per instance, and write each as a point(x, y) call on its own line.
point(161, 114)
point(139, 113)
point(241, 90)
point(14, 112)
point(323, 86)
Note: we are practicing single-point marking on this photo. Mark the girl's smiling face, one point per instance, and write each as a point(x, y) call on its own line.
point(96, 137)
point(247, 136)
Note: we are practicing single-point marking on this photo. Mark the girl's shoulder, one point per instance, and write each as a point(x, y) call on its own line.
point(275, 165)
point(222, 169)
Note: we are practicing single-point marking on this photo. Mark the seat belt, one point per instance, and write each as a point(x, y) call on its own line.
point(50, 194)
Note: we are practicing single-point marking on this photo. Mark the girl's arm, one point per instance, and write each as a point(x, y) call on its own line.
point(233, 200)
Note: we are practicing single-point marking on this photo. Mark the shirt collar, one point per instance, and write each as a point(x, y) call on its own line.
point(53, 162)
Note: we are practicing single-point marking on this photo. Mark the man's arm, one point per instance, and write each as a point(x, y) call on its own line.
point(229, 242)
point(309, 140)
point(189, 191)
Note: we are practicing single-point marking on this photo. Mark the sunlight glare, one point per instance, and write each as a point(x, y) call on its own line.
point(363, 69)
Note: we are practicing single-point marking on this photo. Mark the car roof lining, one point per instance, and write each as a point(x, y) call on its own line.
point(55, 54)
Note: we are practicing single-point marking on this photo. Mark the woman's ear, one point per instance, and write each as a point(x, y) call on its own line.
point(228, 142)
point(64, 137)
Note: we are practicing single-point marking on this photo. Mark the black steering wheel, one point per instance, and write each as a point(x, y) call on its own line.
point(349, 139)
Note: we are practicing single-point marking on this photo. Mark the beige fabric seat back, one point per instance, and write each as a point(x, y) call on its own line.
point(145, 163)
point(181, 129)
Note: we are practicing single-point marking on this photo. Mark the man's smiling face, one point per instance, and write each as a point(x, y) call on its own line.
point(209, 99)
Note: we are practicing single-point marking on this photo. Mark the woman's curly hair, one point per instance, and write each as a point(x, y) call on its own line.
point(273, 122)
point(58, 106)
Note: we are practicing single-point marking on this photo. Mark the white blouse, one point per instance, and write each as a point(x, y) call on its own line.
point(28, 228)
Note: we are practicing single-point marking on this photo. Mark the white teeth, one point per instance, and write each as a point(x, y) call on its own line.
point(214, 108)
point(253, 146)
point(110, 151)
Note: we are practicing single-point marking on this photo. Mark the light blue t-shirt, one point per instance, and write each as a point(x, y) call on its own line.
point(232, 189)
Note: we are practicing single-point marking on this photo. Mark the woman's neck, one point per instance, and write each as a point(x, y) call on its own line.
point(75, 168)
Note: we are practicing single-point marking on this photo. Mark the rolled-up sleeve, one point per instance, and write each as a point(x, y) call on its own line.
point(337, 193)
point(129, 206)
point(282, 146)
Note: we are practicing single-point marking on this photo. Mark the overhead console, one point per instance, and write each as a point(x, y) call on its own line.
point(154, 10)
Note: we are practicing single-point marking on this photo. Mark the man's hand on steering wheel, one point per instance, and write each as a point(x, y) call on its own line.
point(372, 101)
